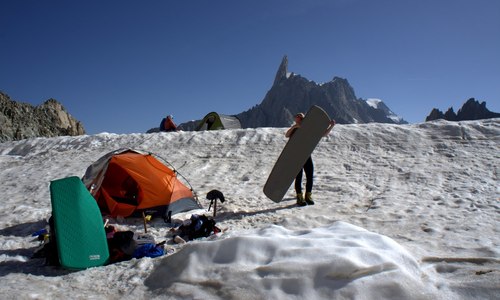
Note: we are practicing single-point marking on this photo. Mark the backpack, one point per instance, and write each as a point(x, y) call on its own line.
point(162, 124)
point(49, 249)
point(199, 226)
point(121, 246)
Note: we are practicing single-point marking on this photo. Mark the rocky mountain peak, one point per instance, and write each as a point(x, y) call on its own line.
point(293, 93)
point(282, 71)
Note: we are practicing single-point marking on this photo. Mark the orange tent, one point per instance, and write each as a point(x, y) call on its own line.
point(126, 182)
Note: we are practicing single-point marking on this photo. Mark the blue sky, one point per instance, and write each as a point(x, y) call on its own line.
point(120, 66)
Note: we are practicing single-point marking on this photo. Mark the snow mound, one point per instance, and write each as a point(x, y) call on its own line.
point(340, 260)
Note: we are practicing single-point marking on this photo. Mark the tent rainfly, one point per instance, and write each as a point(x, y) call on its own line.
point(127, 182)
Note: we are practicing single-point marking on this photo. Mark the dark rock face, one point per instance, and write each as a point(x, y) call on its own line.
point(293, 93)
point(21, 120)
point(471, 110)
point(435, 115)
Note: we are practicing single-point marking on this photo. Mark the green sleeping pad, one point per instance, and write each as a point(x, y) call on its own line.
point(79, 229)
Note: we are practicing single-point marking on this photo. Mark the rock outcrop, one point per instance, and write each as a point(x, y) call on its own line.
point(22, 120)
point(471, 110)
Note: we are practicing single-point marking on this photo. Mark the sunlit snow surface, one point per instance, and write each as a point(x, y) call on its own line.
point(402, 212)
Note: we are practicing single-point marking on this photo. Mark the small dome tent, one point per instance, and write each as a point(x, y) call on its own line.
point(215, 121)
point(126, 182)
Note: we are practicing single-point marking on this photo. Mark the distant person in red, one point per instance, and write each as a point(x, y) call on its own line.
point(167, 124)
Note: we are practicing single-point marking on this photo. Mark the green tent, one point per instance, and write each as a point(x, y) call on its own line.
point(215, 121)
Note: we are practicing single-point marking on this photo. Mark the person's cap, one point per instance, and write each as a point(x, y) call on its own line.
point(300, 115)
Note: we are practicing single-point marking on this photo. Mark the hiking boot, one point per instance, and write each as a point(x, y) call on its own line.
point(300, 200)
point(309, 199)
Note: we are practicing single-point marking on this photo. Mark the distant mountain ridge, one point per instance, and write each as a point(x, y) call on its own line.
point(22, 120)
point(471, 110)
point(292, 93)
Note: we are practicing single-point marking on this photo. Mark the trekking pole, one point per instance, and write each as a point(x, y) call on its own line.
point(145, 223)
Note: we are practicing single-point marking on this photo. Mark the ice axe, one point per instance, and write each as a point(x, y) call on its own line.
point(213, 195)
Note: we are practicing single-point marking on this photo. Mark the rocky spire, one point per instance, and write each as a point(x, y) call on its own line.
point(282, 70)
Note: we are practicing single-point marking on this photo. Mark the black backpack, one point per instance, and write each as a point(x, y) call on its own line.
point(49, 250)
point(200, 226)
